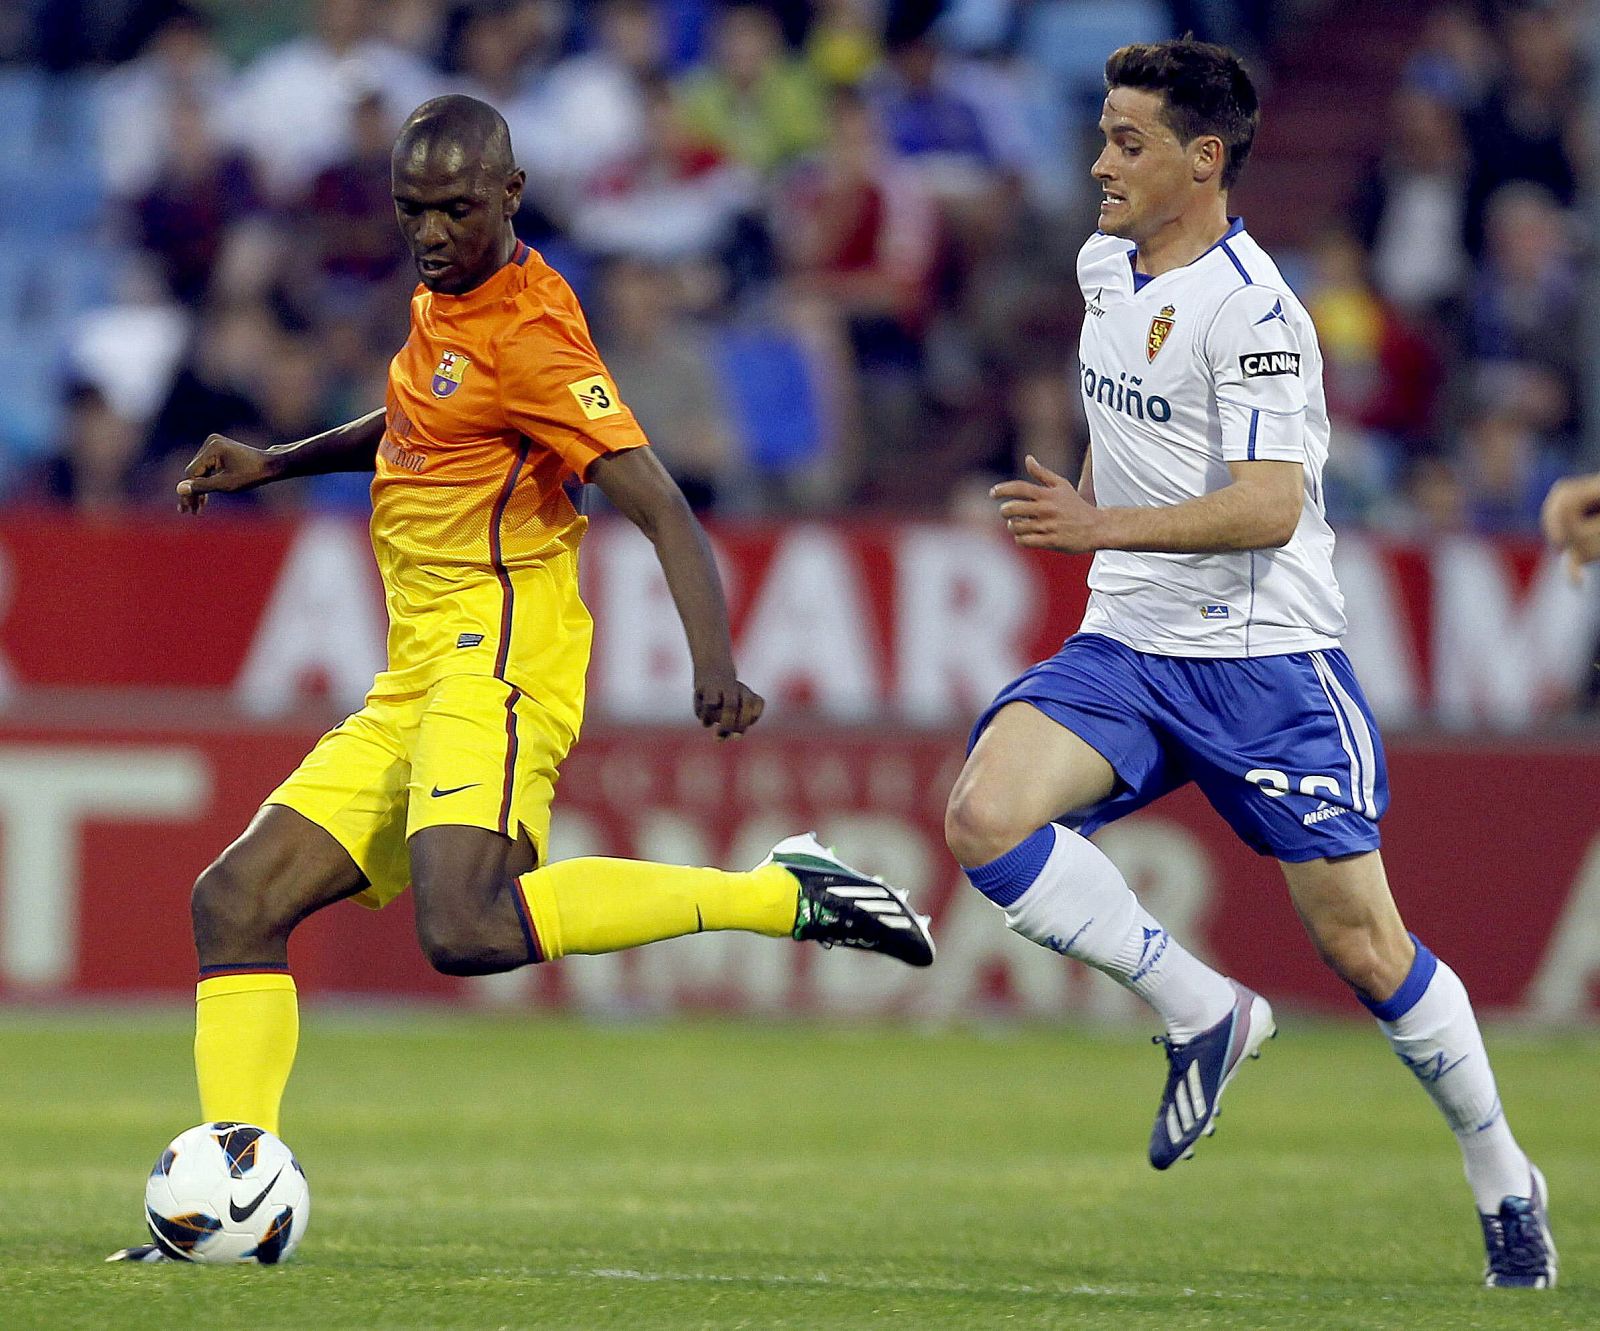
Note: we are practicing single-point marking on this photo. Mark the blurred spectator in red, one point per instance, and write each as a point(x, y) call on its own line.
point(180, 65)
point(676, 197)
point(200, 191)
point(1527, 128)
point(591, 110)
point(292, 108)
point(1527, 300)
point(1412, 208)
point(1507, 469)
point(664, 372)
point(859, 232)
point(352, 211)
point(859, 235)
point(1379, 372)
point(754, 100)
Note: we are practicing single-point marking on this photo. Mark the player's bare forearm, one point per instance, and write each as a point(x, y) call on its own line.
point(349, 447)
point(1258, 510)
point(1258, 513)
point(642, 491)
point(226, 466)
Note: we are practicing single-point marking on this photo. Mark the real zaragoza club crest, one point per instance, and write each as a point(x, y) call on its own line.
point(1160, 326)
point(448, 373)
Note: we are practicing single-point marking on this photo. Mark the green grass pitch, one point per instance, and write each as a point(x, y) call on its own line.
point(483, 1173)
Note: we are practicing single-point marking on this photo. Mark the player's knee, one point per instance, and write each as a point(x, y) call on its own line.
point(454, 951)
point(228, 911)
point(978, 828)
point(1359, 958)
point(453, 942)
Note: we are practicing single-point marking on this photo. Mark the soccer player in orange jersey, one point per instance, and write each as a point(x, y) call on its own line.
point(442, 782)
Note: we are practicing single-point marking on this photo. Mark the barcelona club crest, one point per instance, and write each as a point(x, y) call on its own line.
point(1160, 327)
point(449, 372)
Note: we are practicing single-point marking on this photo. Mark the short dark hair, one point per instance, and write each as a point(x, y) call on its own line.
point(1206, 88)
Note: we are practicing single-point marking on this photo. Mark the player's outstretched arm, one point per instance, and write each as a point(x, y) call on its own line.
point(637, 483)
point(225, 466)
point(1571, 517)
point(1258, 510)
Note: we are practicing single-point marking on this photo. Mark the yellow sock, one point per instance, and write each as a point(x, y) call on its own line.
point(246, 1027)
point(594, 905)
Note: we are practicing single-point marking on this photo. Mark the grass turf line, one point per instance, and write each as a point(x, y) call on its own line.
point(487, 1172)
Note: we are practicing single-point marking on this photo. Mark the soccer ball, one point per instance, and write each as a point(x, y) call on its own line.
point(227, 1192)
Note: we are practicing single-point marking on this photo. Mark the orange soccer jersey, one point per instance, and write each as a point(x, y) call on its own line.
point(497, 403)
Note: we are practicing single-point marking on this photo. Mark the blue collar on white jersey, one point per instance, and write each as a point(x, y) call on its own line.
point(1235, 227)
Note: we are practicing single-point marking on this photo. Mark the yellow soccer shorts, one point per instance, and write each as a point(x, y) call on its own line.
point(471, 751)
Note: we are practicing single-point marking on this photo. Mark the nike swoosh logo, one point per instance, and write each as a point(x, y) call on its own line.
point(454, 789)
point(243, 1213)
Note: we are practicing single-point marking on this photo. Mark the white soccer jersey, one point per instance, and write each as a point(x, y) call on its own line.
point(1211, 363)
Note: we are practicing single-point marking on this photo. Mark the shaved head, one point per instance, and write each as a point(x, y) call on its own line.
point(462, 131)
point(456, 189)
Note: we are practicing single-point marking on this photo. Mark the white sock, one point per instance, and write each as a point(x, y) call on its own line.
point(1430, 1024)
point(1059, 890)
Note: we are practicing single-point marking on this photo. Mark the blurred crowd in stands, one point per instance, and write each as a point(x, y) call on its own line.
point(826, 248)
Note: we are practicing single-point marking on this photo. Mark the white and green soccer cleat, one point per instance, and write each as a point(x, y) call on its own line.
point(843, 907)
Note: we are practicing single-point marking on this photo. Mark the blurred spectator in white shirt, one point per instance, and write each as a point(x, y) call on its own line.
point(180, 63)
point(292, 110)
point(590, 112)
point(1412, 209)
point(675, 197)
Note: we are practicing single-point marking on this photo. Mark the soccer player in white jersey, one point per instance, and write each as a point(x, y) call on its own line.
point(1210, 648)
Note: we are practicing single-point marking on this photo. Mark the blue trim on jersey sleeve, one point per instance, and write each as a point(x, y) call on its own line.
point(1255, 419)
point(1235, 228)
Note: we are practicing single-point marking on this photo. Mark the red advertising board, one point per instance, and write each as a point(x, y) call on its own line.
point(1494, 853)
point(907, 623)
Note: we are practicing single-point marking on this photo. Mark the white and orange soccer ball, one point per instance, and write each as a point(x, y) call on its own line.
point(225, 1193)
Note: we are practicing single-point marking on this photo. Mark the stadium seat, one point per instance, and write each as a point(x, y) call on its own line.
point(31, 417)
point(771, 394)
point(50, 197)
point(21, 106)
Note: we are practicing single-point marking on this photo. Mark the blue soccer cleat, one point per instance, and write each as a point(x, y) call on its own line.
point(1199, 1070)
point(1521, 1253)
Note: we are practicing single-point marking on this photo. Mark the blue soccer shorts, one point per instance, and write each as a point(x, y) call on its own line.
point(1284, 747)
